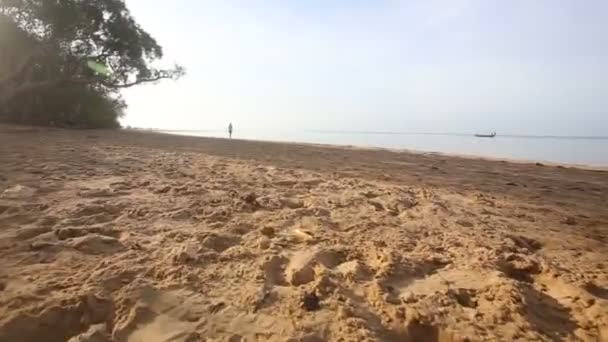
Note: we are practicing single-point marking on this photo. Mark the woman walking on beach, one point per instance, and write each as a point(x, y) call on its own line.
point(230, 130)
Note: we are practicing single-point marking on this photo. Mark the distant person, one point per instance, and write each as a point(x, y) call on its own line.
point(230, 131)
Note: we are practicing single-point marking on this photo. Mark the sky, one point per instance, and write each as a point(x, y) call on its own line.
point(516, 67)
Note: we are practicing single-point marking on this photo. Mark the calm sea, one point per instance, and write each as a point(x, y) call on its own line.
point(568, 150)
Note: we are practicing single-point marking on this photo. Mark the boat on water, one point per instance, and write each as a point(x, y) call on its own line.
point(492, 135)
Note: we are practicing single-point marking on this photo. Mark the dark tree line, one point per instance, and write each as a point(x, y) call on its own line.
point(63, 62)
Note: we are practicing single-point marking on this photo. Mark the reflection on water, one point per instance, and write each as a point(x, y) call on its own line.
point(570, 150)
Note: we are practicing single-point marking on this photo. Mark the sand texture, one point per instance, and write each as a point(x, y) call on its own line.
point(129, 236)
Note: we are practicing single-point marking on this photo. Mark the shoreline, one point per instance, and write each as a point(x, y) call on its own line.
point(402, 150)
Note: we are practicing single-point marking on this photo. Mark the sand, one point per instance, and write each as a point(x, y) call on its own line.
point(130, 236)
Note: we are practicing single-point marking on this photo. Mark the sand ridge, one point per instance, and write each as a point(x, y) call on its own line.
point(122, 236)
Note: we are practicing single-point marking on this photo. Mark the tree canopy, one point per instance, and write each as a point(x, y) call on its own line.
point(93, 46)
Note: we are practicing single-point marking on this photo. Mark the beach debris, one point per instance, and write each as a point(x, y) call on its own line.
point(302, 235)
point(250, 198)
point(569, 220)
point(310, 301)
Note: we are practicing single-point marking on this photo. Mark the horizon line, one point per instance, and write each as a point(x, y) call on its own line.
point(463, 134)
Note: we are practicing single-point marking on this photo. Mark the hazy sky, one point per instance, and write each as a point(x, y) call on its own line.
point(518, 66)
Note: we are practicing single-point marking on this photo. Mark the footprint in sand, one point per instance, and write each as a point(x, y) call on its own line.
point(160, 316)
point(301, 267)
point(96, 244)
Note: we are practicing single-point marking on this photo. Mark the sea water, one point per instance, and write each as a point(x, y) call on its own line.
point(592, 151)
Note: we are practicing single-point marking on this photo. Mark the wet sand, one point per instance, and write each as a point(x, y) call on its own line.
point(134, 236)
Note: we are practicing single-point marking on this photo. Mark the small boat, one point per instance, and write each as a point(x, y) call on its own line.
point(486, 135)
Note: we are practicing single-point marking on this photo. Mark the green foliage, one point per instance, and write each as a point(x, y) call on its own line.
point(73, 107)
point(71, 57)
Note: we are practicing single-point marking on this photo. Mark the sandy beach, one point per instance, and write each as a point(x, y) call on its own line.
point(135, 236)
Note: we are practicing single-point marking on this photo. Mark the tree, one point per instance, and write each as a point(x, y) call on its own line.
point(55, 44)
point(73, 107)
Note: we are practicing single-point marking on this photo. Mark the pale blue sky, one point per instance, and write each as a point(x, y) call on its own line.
point(518, 66)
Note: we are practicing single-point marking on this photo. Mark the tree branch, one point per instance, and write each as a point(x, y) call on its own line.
point(66, 82)
point(134, 83)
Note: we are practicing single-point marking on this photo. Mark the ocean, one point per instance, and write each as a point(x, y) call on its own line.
point(591, 151)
